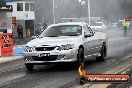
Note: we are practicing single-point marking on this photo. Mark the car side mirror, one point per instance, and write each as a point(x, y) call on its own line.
point(88, 35)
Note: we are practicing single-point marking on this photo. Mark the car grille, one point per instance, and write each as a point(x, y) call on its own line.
point(45, 58)
point(45, 48)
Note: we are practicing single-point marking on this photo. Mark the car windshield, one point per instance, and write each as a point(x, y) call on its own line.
point(65, 30)
point(97, 24)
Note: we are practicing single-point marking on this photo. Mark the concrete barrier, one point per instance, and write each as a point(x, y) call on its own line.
point(19, 51)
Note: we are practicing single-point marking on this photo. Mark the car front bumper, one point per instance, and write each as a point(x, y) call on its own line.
point(64, 56)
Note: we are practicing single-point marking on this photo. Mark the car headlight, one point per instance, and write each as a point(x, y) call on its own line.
point(66, 47)
point(29, 49)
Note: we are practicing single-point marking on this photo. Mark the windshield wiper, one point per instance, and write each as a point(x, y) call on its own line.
point(51, 36)
point(72, 35)
point(40, 37)
point(47, 36)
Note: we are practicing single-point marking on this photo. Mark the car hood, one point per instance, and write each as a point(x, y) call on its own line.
point(53, 41)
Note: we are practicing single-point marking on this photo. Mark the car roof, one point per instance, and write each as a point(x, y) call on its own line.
point(69, 23)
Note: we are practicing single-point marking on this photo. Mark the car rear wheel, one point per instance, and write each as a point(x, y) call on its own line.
point(103, 53)
point(29, 67)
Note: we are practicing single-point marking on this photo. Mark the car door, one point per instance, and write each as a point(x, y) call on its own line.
point(95, 42)
point(87, 43)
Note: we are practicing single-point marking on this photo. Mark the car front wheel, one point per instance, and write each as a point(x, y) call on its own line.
point(29, 67)
point(80, 57)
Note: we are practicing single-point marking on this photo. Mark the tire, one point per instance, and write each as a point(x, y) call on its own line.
point(80, 57)
point(29, 67)
point(103, 53)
